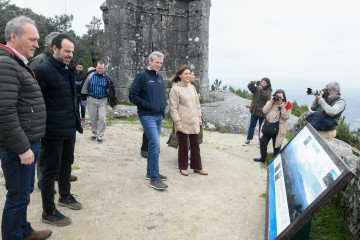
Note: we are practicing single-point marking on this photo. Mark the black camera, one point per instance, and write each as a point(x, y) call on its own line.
point(324, 92)
point(258, 83)
point(276, 98)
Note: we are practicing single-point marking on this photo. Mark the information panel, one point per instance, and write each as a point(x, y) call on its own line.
point(302, 178)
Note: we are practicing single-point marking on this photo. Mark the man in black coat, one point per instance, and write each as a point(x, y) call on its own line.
point(57, 84)
point(79, 80)
point(22, 124)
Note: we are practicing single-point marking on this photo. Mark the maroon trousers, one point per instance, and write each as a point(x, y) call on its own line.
point(183, 151)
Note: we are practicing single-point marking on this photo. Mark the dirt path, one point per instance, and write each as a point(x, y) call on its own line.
point(119, 204)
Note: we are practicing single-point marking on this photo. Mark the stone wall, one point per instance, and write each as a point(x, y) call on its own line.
point(135, 28)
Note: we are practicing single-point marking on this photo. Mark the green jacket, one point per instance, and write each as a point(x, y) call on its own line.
point(197, 87)
point(42, 57)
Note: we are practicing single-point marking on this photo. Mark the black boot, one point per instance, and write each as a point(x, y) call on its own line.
point(259, 159)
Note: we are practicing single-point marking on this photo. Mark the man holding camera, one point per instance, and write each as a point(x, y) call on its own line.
point(330, 110)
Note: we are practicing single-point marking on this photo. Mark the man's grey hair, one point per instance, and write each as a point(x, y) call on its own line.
point(334, 86)
point(156, 53)
point(16, 25)
point(50, 37)
point(101, 62)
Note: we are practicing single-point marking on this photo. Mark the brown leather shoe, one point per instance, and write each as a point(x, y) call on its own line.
point(39, 235)
point(202, 172)
point(73, 178)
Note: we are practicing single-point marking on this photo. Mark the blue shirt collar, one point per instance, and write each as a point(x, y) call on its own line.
point(100, 74)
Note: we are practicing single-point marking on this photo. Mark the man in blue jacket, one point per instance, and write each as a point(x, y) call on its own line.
point(57, 84)
point(147, 92)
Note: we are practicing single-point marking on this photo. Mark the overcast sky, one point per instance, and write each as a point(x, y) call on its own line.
point(297, 44)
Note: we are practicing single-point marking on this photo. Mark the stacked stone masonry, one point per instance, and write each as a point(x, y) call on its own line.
point(135, 28)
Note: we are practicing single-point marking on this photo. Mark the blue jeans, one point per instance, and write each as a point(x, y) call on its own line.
point(253, 121)
point(152, 128)
point(19, 179)
point(83, 106)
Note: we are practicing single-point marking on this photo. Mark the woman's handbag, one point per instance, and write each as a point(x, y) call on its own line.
point(270, 129)
point(173, 140)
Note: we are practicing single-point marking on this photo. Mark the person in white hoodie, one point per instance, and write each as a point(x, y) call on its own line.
point(185, 112)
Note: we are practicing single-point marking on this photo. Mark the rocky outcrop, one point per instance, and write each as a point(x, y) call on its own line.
point(231, 112)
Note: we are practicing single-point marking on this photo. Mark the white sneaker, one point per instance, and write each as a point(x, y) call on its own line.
point(247, 142)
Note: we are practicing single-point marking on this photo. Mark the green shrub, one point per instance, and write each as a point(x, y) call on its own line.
point(206, 101)
point(329, 222)
point(298, 110)
point(288, 135)
point(124, 103)
point(217, 85)
point(223, 130)
point(343, 133)
point(241, 93)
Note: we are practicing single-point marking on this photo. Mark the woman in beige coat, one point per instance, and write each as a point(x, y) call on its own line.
point(185, 112)
point(275, 110)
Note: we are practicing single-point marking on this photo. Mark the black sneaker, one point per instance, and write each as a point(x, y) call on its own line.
point(161, 177)
point(69, 202)
point(55, 218)
point(158, 184)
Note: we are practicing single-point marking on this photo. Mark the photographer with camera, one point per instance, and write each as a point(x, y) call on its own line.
point(261, 90)
point(274, 126)
point(328, 107)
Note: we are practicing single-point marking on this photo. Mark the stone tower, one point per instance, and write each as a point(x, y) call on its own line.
point(135, 28)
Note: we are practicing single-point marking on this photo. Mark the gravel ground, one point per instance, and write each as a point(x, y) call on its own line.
point(119, 204)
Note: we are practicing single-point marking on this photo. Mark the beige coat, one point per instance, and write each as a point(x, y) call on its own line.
point(271, 110)
point(185, 107)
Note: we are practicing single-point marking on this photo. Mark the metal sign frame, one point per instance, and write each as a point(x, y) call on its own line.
point(301, 179)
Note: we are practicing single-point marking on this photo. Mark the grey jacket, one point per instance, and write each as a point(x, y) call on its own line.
point(333, 108)
point(110, 88)
point(22, 107)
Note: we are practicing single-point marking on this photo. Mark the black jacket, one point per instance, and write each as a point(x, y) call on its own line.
point(57, 84)
point(79, 80)
point(147, 92)
point(22, 107)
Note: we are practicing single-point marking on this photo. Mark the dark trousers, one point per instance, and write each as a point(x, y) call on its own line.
point(57, 158)
point(83, 106)
point(183, 151)
point(264, 141)
point(38, 168)
point(145, 142)
point(253, 120)
point(19, 182)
